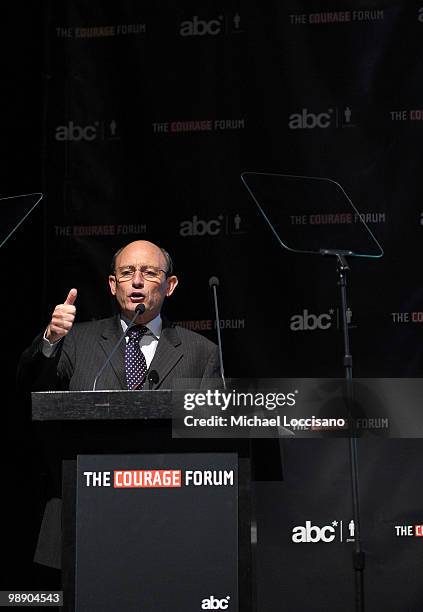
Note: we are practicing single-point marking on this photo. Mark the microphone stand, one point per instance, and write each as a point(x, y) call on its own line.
point(213, 283)
point(358, 556)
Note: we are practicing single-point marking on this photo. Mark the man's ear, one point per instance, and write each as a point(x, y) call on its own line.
point(112, 283)
point(172, 282)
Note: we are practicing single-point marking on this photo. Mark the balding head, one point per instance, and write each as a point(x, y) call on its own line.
point(131, 284)
point(169, 262)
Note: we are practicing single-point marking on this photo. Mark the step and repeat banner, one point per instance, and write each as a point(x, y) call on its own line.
point(152, 114)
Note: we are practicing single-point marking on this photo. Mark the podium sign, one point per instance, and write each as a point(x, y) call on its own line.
point(156, 532)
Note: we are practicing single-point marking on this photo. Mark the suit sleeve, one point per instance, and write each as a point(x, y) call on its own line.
point(211, 377)
point(39, 373)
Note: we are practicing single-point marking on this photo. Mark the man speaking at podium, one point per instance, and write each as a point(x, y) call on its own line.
point(155, 352)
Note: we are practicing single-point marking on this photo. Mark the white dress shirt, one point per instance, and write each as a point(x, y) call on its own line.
point(150, 339)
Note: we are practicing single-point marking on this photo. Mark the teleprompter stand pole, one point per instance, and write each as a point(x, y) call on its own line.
point(358, 554)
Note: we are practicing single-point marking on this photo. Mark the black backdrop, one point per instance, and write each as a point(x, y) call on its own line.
point(136, 120)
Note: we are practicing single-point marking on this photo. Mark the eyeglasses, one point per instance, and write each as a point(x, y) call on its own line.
point(147, 272)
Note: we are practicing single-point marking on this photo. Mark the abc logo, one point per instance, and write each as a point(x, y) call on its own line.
point(212, 603)
point(200, 27)
point(199, 227)
point(306, 120)
point(309, 322)
point(313, 534)
point(76, 133)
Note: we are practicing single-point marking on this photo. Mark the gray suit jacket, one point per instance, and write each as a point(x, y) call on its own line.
point(180, 354)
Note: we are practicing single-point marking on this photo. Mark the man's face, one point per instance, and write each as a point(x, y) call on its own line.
point(138, 290)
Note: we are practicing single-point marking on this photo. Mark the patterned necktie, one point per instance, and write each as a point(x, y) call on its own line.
point(135, 363)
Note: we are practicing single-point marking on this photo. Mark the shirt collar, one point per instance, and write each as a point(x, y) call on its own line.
point(154, 326)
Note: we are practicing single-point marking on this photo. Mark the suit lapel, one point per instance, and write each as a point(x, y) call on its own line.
point(109, 337)
point(168, 352)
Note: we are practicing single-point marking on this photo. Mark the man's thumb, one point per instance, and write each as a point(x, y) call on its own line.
point(71, 297)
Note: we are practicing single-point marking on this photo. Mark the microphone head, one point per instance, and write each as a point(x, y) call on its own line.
point(213, 281)
point(153, 377)
point(140, 309)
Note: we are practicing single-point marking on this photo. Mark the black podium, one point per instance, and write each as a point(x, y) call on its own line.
point(149, 522)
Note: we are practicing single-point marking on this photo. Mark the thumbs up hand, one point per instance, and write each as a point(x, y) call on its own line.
point(62, 318)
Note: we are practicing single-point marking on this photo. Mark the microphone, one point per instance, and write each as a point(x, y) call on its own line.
point(153, 379)
point(213, 283)
point(139, 310)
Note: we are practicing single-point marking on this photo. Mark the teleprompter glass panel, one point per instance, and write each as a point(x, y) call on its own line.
point(311, 215)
